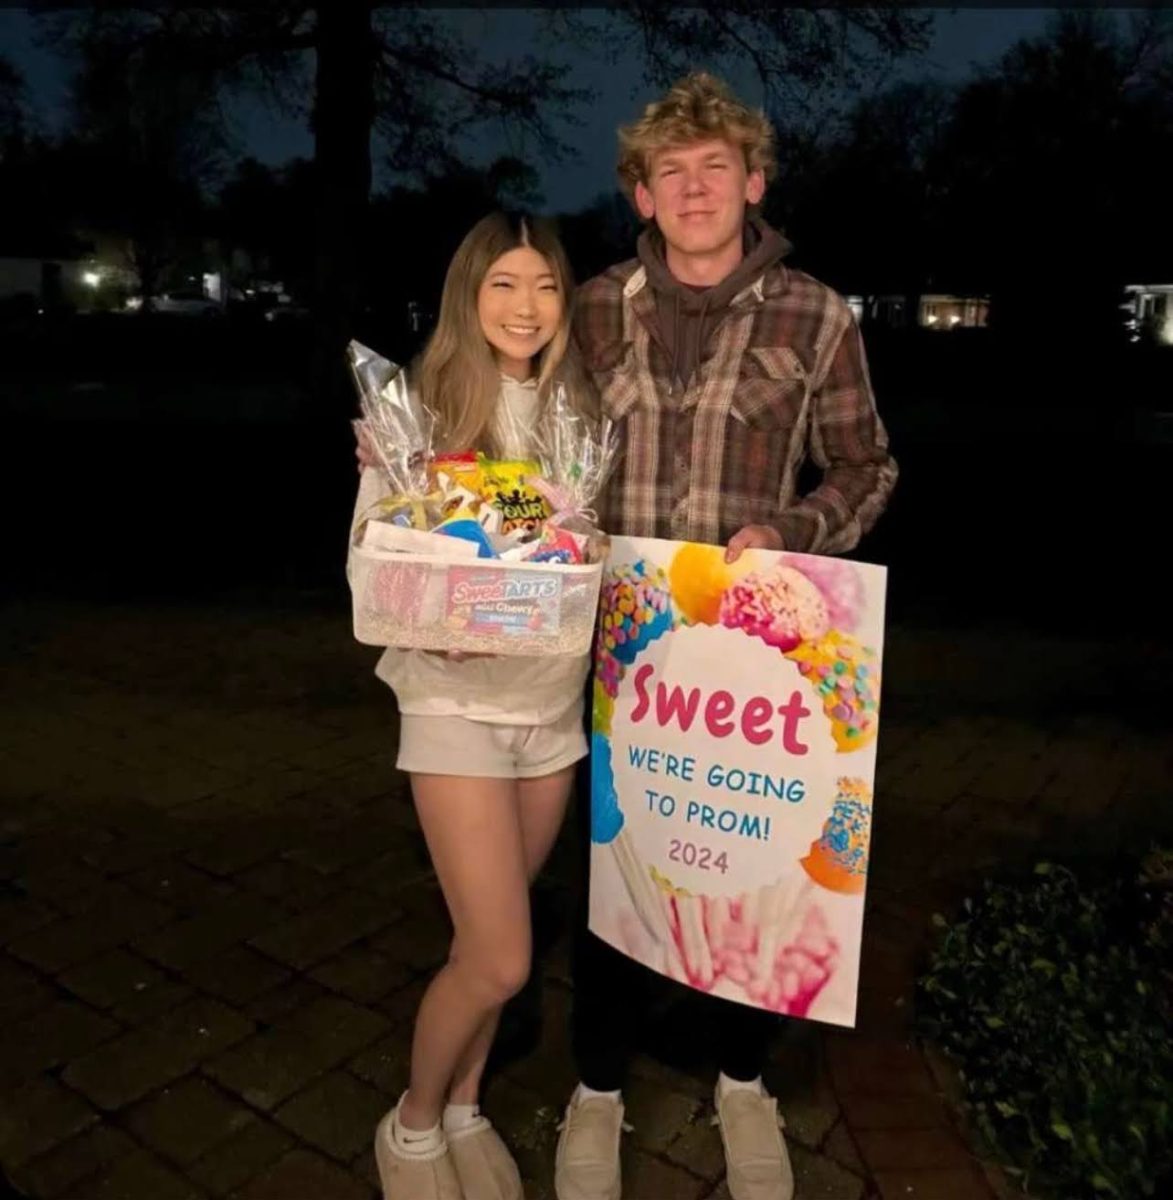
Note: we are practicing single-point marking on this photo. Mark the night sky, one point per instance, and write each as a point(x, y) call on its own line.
point(963, 38)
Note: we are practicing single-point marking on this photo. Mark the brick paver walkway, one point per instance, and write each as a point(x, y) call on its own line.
point(217, 915)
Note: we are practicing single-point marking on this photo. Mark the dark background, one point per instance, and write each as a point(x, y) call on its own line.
point(151, 455)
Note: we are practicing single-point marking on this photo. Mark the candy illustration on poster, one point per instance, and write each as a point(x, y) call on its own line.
point(736, 712)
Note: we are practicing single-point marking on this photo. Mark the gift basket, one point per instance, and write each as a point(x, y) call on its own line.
point(461, 552)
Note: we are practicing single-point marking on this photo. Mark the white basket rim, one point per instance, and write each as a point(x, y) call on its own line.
point(488, 564)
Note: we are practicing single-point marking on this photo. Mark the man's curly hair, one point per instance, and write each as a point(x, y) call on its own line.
point(697, 108)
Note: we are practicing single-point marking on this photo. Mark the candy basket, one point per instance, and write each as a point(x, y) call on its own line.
point(479, 606)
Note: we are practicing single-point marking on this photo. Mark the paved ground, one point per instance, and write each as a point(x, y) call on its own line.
point(217, 916)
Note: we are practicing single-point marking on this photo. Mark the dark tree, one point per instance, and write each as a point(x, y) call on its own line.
point(863, 207)
point(398, 72)
point(800, 57)
point(407, 76)
point(600, 234)
point(266, 212)
point(1051, 169)
point(147, 138)
point(13, 112)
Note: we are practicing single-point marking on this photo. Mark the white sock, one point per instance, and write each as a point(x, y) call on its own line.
point(459, 1116)
point(415, 1141)
point(582, 1092)
point(725, 1085)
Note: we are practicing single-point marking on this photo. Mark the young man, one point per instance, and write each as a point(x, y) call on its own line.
point(724, 372)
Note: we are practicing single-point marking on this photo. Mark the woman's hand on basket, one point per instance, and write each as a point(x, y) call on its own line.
point(364, 452)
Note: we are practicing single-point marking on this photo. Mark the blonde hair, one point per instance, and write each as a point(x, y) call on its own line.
point(457, 375)
point(697, 108)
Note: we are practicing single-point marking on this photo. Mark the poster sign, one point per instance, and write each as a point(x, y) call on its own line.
point(736, 711)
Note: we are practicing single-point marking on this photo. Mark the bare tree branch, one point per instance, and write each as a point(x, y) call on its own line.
point(13, 113)
point(434, 91)
point(798, 54)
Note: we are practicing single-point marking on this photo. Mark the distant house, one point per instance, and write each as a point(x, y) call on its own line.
point(21, 277)
point(198, 266)
point(47, 277)
point(886, 310)
point(953, 312)
point(77, 269)
point(1149, 312)
point(936, 310)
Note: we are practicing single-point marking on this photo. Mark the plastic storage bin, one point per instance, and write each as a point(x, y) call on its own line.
point(481, 606)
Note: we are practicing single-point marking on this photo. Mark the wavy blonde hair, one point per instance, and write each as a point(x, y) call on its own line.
point(696, 108)
point(457, 375)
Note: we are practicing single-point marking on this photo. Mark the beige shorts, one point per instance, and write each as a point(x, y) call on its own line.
point(458, 746)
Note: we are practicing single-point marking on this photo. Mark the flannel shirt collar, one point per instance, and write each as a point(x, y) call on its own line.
point(773, 282)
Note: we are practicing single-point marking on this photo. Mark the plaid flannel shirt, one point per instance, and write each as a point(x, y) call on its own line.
point(783, 377)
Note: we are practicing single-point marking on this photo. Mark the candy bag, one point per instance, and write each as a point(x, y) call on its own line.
point(462, 470)
point(558, 545)
point(395, 423)
point(457, 477)
point(576, 455)
point(505, 485)
point(398, 428)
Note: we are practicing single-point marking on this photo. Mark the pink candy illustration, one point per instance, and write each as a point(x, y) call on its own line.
point(840, 584)
point(774, 942)
point(781, 606)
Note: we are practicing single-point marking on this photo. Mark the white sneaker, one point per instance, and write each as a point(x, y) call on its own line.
point(484, 1166)
point(586, 1163)
point(429, 1176)
point(757, 1165)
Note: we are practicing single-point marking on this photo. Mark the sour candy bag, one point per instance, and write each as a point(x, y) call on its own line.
point(504, 485)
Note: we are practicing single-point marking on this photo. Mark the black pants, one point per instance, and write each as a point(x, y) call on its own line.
point(612, 992)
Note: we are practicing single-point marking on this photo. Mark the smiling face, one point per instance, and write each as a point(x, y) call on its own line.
point(520, 306)
point(697, 195)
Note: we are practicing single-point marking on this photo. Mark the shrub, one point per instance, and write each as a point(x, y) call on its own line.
point(1053, 997)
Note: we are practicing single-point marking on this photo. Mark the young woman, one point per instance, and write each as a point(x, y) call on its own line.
point(489, 743)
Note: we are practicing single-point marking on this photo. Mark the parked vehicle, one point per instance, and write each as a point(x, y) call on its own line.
point(182, 304)
point(286, 310)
